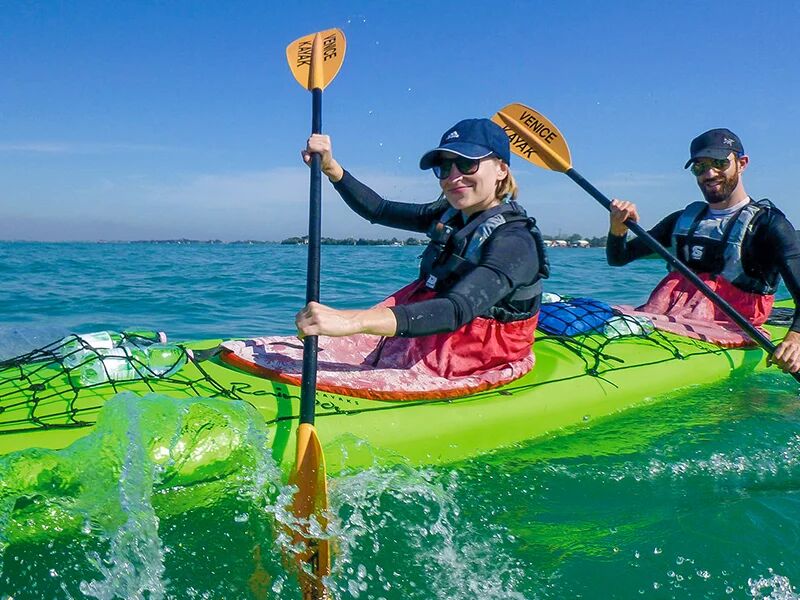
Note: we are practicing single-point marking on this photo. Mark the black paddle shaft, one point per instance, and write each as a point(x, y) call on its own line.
point(648, 239)
point(308, 385)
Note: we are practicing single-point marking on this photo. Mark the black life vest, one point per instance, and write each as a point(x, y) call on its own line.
point(719, 252)
point(455, 248)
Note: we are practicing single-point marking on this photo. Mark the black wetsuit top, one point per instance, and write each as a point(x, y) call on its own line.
point(772, 247)
point(509, 259)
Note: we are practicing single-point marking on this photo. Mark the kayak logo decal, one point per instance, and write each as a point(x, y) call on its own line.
point(329, 47)
point(697, 252)
point(518, 142)
point(304, 54)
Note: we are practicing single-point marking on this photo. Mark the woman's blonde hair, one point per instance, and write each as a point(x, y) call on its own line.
point(507, 188)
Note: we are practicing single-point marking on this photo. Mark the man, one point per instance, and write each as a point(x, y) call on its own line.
point(738, 246)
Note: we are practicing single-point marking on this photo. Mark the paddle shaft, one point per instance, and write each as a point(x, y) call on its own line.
point(308, 385)
point(654, 245)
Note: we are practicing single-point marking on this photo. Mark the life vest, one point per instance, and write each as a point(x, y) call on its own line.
point(720, 252)
point(455, 248)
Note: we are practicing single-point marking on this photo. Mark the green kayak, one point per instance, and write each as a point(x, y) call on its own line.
point(575, 380)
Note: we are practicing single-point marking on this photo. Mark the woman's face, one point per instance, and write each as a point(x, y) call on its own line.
point(476, 191)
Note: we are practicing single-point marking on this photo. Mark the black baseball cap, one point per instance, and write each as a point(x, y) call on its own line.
point(471, 138)
point(714, 143)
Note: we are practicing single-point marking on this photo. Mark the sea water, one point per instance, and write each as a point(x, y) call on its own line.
point(692, 495)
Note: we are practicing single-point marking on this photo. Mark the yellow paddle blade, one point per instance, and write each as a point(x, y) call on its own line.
point(310, 500)
point(259, 581)
point(315, 59)
point(534, 138)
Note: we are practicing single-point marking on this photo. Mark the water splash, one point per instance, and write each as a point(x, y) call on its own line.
point(134, 565)
point(774, 587)
point(103, 501)
point(402, 534)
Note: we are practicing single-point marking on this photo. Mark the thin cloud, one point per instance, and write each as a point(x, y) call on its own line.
point(280, 185)
point(54, 147)
point(637, 180)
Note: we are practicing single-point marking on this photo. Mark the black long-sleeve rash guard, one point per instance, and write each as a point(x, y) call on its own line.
point(774, 247)
point(509, 259)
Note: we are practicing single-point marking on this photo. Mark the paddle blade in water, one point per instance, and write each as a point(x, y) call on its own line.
point(315, 59)
point(311, 500)
point(534, 138)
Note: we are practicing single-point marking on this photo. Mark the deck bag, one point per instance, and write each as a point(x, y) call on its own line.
point(574, 316)
point(677, 306)
point(481, 355)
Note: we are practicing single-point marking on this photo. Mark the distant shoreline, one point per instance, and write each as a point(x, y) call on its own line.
point(573, 241)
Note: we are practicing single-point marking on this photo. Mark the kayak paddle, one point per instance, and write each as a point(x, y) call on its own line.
point(534, 138)
point(314, 60)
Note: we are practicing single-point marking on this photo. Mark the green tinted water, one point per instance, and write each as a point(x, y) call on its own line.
point(695, 495)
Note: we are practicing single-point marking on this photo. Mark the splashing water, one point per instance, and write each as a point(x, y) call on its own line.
point(150, 461)
point(134, 563)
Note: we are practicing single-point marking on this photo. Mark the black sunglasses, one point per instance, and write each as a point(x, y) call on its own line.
point(703, 165)
point(465, 166)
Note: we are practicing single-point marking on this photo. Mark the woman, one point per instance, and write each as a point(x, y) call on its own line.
point(475, 305)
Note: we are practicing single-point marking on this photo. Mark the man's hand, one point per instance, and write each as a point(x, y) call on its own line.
point(787, 354)
point(621, 211)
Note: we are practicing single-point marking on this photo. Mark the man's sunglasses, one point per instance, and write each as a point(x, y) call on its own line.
point(465, 166)
point(701, 166)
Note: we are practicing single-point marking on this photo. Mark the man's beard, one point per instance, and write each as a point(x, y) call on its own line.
point(720, 194)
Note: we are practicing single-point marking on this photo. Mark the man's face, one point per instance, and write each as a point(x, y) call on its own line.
point(717, 179)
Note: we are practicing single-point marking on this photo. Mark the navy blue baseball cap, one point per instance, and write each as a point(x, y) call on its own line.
point(471, 138)
point(714, 143)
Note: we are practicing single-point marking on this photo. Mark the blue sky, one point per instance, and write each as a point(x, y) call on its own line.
point(132, 120)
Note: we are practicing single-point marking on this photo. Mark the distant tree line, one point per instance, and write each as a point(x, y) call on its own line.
point(357, 241)
point(594, 242)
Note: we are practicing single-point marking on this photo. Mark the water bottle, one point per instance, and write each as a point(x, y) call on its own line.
point(139, 338)
point(161, 360)
point(107, 364)
point(73, 348)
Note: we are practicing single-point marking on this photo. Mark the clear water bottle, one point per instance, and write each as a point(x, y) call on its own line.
point(140, 338)
point(76, 349)
point(161, 360)
point(111, 364)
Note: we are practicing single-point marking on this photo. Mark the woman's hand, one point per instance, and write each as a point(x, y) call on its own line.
point(318, 319)
point(621, 211)
point(321, 144)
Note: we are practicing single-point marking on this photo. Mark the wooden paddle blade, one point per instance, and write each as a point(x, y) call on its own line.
point(310, 500)
point(315, 59)
point(534, 138)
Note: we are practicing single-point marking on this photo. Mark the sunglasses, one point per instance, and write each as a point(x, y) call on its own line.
point(465, 166)
point(718, 164)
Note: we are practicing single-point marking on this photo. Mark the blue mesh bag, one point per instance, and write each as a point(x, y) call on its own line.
point(574, 316)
